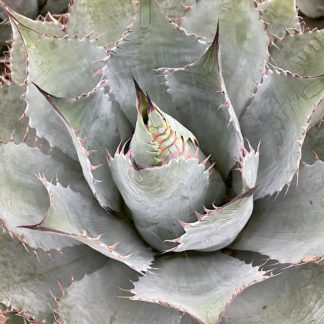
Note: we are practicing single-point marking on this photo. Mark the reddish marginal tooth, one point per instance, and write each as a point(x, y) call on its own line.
point(196, 153)
point(123, 147)
point(198, 216)
point(183, 224)
point(203, 162)
point(210, 169)
point(118, 148)
point(95, 167)
point(125, 257)
point(111, 248)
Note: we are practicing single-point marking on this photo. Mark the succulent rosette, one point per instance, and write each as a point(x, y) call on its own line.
point(159, 172)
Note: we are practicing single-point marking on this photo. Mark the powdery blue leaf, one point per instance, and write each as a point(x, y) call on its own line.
point(219, 227)
point(77, 215)
point(295, 296)
point(27, 281)
point(202, 104)
point(278, 117)
point(243, 43)
point(95, 126)
point(289, 228)
point(23, 199)
point(151, 42)
point(200, 285)
point(160, 197)
point(280, 15)
point(105, 288)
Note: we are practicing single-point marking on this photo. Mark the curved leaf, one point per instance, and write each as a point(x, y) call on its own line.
point(104, 288)
point(295, 296)
point(300, 53)
point(219, 227)
point(280, 15)
point(311, 8)
point(152, 42)
point(289, 229)
point(243, 42)
point(160, 197)
point(278, 117)
point(201, 285)
point(109, 19)
point(27, 282)
point(203, 106)
point(77, 215)
point(23, 200)
point(95, 126)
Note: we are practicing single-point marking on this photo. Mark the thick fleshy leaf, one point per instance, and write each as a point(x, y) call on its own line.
point(159, 197)
point(296, 296)
point(278, 117)
point(313, 147)
point(23, 199)
point(77, 215)
point(219, 227)
point(203, 106)
point(201, 285)
point(152, 42)
point(11, 110)
point(27, 282)
point(18, 55)
point(109, 18)
point(307, 60)
point(289, 228)
point(243, 42)
point(280, 15)
point(95, 126)
point(49, 57)
point(103, 289)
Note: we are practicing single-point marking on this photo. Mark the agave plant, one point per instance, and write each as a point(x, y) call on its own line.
point(150, 175)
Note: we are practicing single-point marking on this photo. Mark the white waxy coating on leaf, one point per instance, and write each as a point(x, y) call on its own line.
point(289, 228)
point(201, 285)
point(101, 298)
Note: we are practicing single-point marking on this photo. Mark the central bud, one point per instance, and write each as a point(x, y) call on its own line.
point(158, 137)
point(164, 177)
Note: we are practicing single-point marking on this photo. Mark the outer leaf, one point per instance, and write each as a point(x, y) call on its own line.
point(23, 200)
point(243, 42)
point(45, 55)
point(11, 110)
point(311, 8)
point(104, 288)
point(219, 227)
point(280, 15)
point(93, 122)
point(159, 197)
point(201, 285)
point(307, 60)
point(101, 17)
point(18, 55)
point(296, 296)
point(26, 282)
point(203, 106)
point(77, 215)
point(152, 42)
point(278, 117)
point(294, 222)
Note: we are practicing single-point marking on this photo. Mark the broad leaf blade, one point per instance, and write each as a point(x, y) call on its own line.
point(219, 227)
point(152, 42)
point(289, 228)
point(295, 296)
point(278, 117)
point(23, 200)
point(200, 285)
point(78, 216)
point(95, 126)
point(26, 281)
point(109, 18)
point(103, 289)
point(280, 15)
point(243, 41)
point(313, 147)
point(203, 106)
